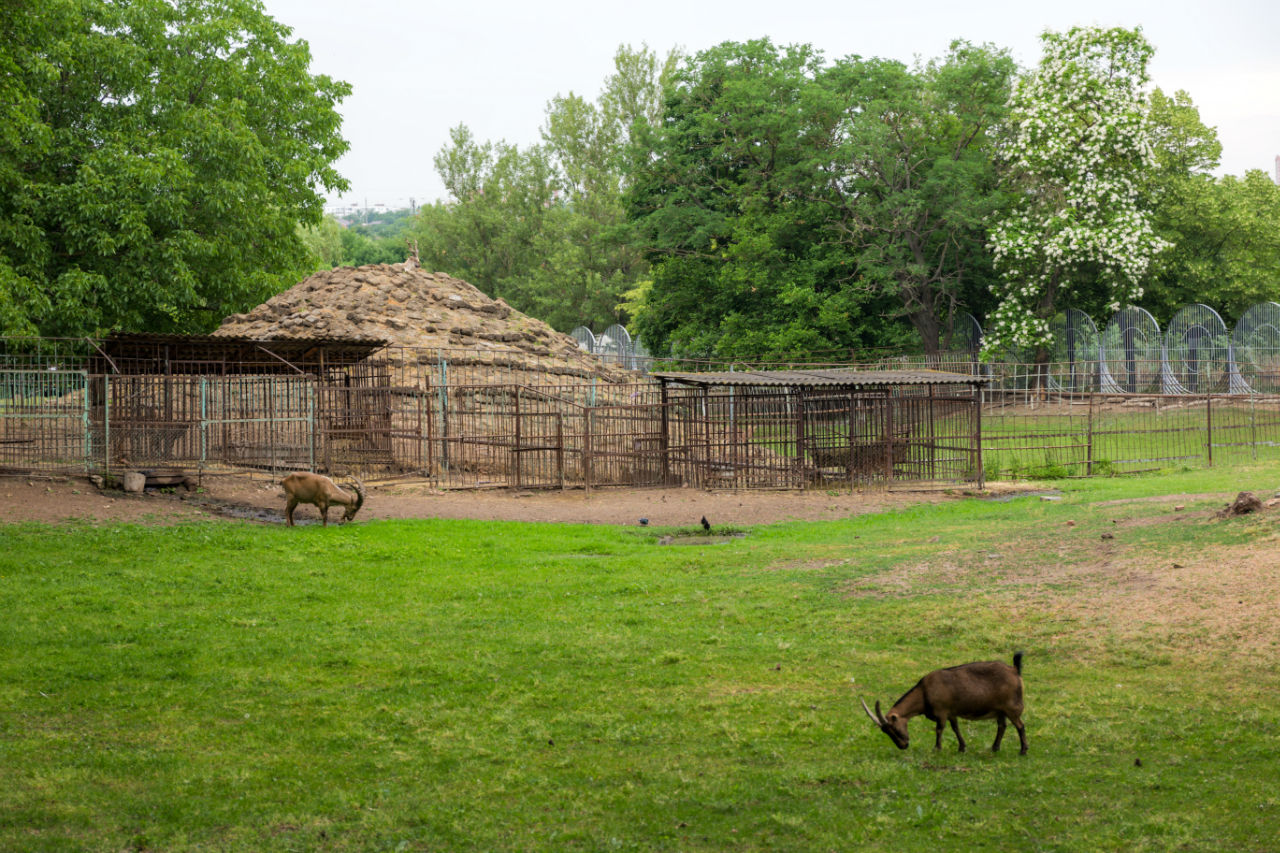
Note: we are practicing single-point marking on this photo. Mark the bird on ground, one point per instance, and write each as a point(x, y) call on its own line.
point(643, 522)
point(706, 525)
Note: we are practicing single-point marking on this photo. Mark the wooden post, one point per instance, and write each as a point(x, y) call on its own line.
point(665, 439)
point(976, 438)
point(106, 424)
point(1253, 428)
point(560, 446)
point(323, 435)
point(1088, 444)
point(853, 414)
point(271, 421)
point(933, 444)
point(798, 423)
point(586, 450)
point(888, 438)
point(515, 454)
point(1208, 426)
point(706, 437)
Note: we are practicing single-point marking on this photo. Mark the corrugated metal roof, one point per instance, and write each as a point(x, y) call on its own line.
point(837, 377)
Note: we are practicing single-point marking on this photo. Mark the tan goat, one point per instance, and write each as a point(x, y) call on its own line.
point(304, 487)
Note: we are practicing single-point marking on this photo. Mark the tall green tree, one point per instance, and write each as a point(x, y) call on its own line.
point(911, 179)
point(723, 196)
point(543, 226)
point(1078, 154)
point(1224, 232)
point(159, 160)
point(492, 229)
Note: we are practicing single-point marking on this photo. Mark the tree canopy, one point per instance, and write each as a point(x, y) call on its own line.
point(790, 205)
point(912, 181)
point(158, 157)
point(543, 226)
point(163, 163)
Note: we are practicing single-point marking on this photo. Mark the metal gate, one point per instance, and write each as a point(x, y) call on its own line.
point(44, 421)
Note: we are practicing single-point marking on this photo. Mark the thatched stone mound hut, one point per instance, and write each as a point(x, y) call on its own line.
point(425, 316)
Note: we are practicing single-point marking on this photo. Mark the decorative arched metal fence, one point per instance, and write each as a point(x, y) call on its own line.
point(614, 345)
point(1195, 354)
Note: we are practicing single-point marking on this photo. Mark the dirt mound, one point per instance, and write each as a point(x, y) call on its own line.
point(1245, 503)
point(412, 308)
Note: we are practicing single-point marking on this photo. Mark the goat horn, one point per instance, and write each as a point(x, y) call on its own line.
point(869, 714)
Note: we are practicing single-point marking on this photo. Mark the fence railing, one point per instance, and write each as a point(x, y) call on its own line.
point(591, 433)
point(1095, 434)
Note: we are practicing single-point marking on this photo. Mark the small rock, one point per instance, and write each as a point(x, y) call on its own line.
point(134, 482)
point(1179, 508)
point(1108, 536)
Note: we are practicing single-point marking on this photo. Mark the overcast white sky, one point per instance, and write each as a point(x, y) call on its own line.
point(421, 68)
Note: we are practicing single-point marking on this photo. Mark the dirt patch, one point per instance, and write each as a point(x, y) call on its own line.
point(1222, 597)
point(258, 500)
point(1186, 498)
point(76, 499)
point(1226, 597)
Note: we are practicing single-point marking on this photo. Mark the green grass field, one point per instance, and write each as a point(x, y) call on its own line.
point(444, 685)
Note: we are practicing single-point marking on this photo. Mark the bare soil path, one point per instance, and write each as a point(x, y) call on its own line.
point(54, 499)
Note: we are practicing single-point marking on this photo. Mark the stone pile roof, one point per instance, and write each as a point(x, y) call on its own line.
point(410, 307)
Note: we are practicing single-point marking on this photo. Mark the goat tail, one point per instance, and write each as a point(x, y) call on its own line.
point(1017, 662)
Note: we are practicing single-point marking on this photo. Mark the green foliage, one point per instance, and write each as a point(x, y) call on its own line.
point(790, 206)
point(722, 193)
point(158, 159)
point(449, 684)
point(542, 227)
point(911, 178)
point(1225, 232)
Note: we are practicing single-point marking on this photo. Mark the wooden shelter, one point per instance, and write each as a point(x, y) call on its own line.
point(820, 428)
point(199, 400)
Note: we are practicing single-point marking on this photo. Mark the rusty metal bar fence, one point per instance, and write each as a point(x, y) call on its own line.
point(415, 421)
point(44, 421)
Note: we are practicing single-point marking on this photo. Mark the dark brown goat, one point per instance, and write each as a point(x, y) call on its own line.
point(971, 691)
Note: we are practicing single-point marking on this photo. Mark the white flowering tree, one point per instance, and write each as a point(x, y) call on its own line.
point(1078, 150)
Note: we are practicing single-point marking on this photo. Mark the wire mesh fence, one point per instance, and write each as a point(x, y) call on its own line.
point(1104, 434)
point(461, 420)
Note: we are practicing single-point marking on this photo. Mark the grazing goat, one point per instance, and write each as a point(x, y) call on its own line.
point(307, 488)
point(971, 691)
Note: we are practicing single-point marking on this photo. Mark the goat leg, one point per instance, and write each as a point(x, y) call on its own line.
point(955, 727)
point(937, 741)
point(288, 510)
point(1022, 735)
point(1000, 724)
